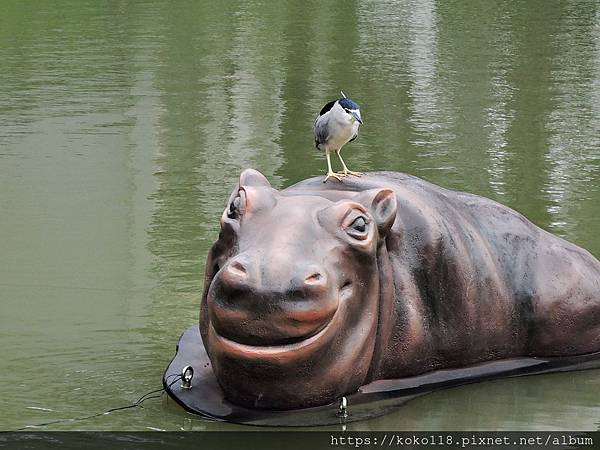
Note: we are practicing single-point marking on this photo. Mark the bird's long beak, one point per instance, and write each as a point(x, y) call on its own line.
point(357, 117)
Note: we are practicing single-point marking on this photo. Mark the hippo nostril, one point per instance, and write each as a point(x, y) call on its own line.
point(237, 268)
point(234, 273)
point(314, 278)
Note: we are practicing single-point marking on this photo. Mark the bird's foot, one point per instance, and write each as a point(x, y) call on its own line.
point(332, 174)
point(347, 172)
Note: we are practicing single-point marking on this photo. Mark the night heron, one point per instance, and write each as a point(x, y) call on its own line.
point(337, 124)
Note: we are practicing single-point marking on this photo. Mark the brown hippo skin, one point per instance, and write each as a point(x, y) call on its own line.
point(315, 290)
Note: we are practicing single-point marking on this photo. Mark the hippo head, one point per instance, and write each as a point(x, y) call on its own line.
point(291, 301)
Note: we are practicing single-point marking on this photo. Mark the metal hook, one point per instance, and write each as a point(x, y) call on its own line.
point(343, 411)
point(186, 377)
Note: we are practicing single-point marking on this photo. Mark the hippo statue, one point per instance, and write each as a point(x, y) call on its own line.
point(316, 290)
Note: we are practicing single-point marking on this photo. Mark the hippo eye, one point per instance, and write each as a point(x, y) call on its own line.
point(358, 228)
point(236, 206)
point(359, 224)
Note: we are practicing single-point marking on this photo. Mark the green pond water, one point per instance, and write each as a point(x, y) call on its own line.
point(125, 124)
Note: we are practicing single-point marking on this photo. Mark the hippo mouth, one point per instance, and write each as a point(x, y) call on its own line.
point(253, 350)
point(281, 349)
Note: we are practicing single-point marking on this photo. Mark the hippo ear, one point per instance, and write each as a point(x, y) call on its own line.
point(382, 205)
point(251, 177)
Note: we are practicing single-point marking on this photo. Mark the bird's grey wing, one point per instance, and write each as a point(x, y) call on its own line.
point(321, 131)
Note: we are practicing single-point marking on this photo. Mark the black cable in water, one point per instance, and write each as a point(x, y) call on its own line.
point(136, 404)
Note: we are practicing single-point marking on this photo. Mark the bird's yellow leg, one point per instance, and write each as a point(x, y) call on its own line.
point(346, 172)
point(330, 173)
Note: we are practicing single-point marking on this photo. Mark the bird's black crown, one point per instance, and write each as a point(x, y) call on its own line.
point(346, 103)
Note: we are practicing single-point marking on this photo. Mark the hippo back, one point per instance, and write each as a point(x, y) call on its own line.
point(465, 279)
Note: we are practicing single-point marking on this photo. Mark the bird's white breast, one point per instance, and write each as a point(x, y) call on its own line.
point(341, 128)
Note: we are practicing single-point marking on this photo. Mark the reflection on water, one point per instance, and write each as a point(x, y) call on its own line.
point(574, 124)
point(123, 128)
point(531, 403)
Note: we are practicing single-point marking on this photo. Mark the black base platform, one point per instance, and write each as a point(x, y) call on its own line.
point(206, 398)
